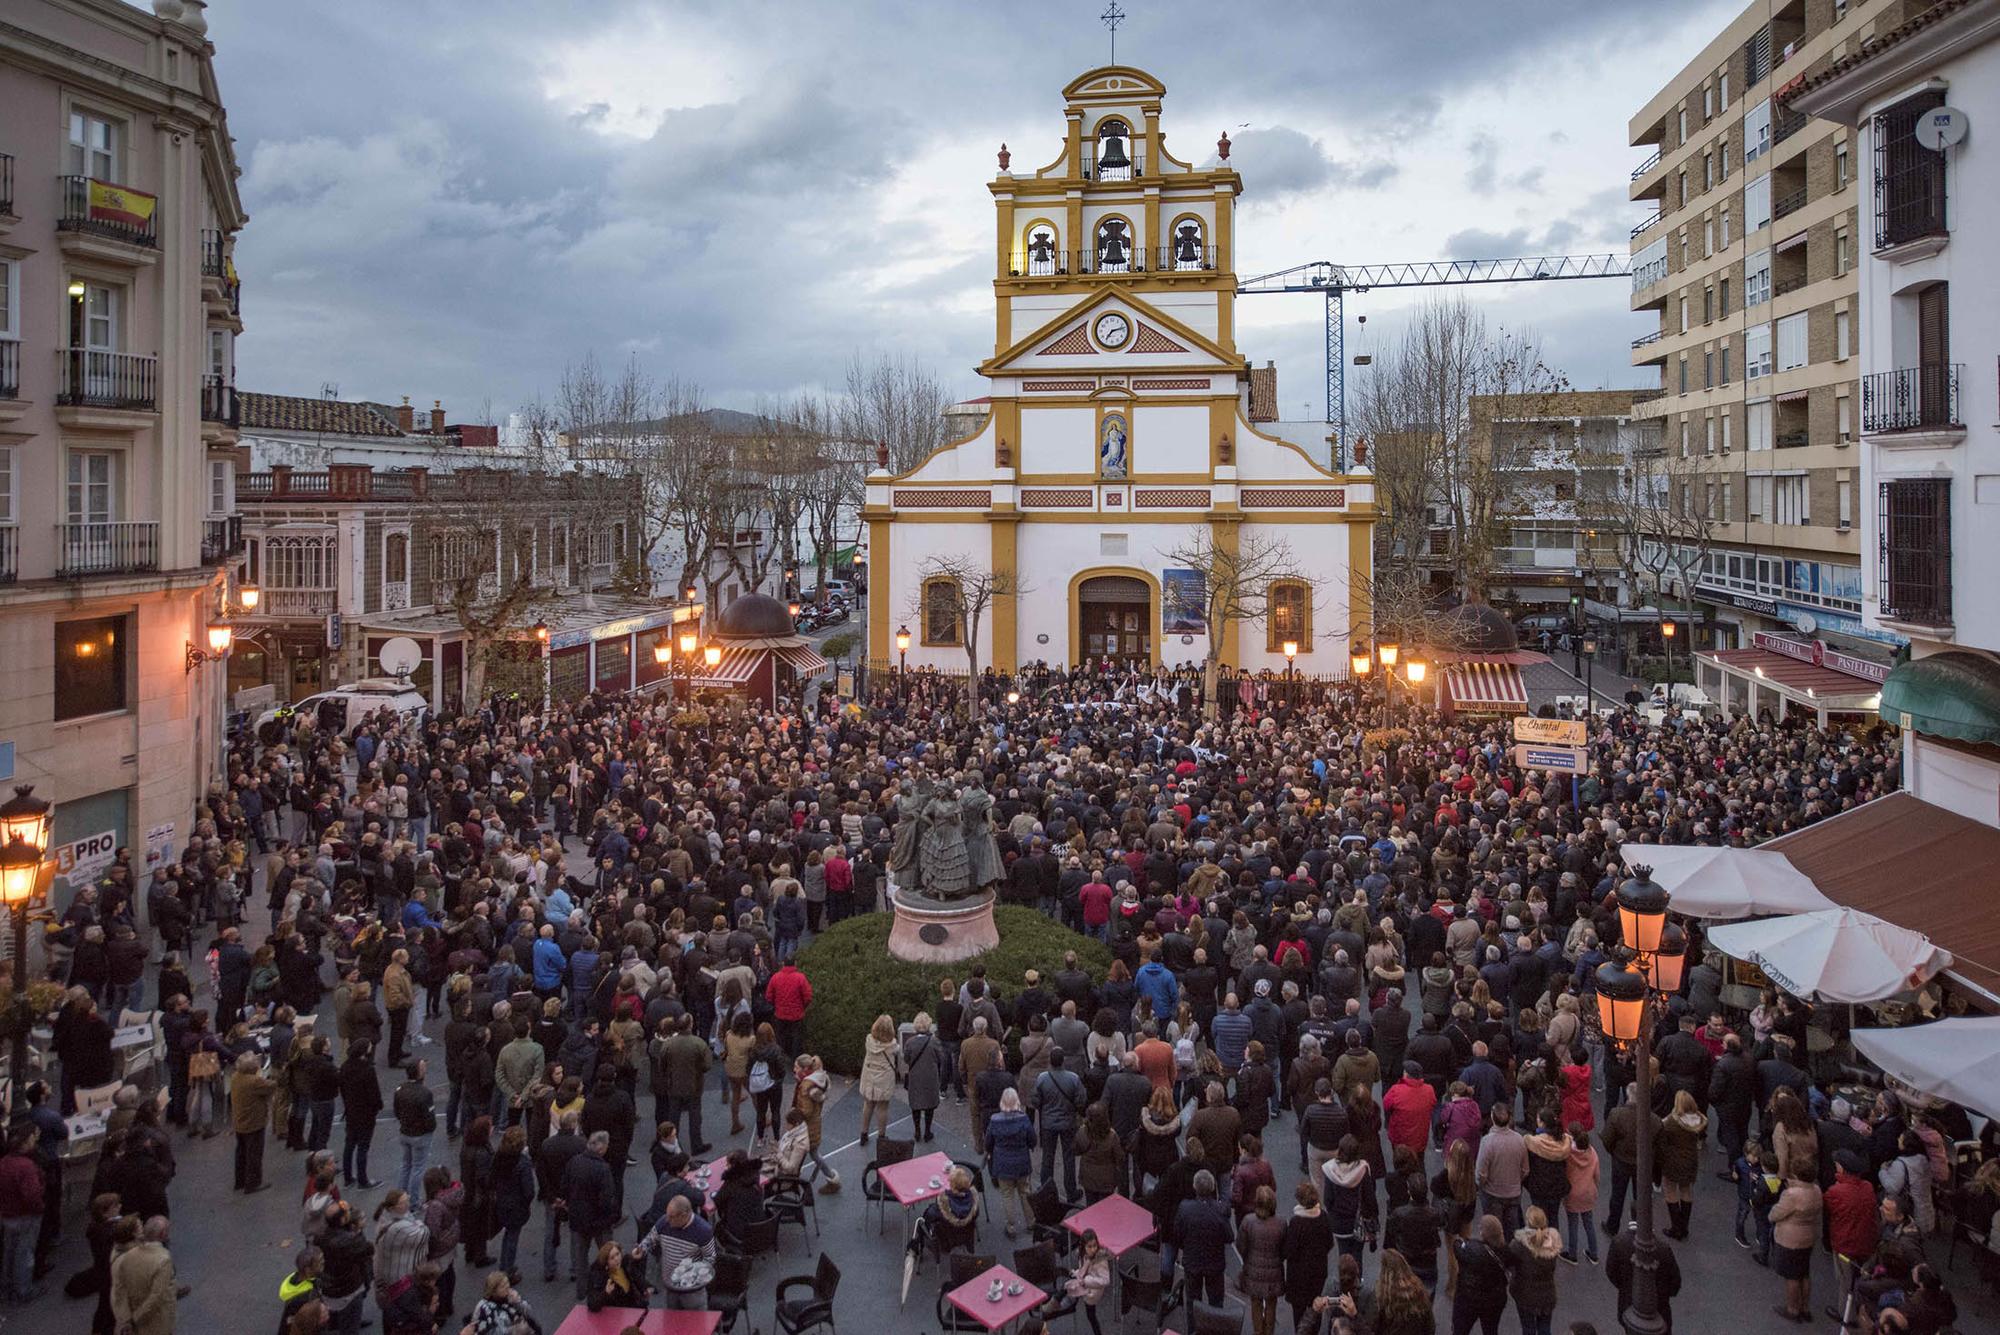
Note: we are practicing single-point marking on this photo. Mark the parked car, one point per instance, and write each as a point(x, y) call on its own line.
point(343, 708)
point(1531, 627)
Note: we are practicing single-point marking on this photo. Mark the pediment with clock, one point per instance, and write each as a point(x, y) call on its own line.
point(1113, 328)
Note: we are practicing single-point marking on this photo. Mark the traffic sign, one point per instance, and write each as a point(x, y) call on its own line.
point(1551, 731)
point(1554, 759)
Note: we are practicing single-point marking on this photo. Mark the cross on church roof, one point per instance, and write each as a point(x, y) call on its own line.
point(1111, 18)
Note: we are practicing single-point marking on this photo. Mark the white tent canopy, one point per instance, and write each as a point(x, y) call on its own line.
point(1957, 1060)
point(1727, 883)
point(1834, 954)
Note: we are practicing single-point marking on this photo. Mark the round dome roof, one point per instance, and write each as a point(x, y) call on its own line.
point(754, 616)
point(1475, 628)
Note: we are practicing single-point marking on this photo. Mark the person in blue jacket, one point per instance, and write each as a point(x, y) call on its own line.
point(1010, 1157)
point(1155, 982)
point(548, 963)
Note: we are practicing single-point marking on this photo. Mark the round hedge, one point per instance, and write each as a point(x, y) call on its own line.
point(854, 977)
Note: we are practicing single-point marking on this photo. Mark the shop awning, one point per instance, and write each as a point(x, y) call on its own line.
point(1804, 682)
point(802, 659)
point(1951, 694)
point(736, 667)
point(1486, 688)
point(1915, 865)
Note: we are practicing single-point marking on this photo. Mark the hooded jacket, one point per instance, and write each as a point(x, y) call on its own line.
point(1531, 1265)
point(1547, 1182)
point(1348, 1195)
point(1583, 1167)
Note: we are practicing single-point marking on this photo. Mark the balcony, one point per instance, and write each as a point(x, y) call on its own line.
point(1909, 182)
point(218, 402)
point(296, 602)
point(1785, 123)
point(10, 553)
point(1792, 440)
point(1640, 230)
point(1789, 204)
point(92, 211)
point(1647, 165)
point(10, 368)
point(221, 538)
point(1789, 284)
point(219, 284)
point(94, 378)
point(1037, 262)
point(1913, 559)
point(103, 548)
point(7, 184)
point(211, 252)
point(1914, 407)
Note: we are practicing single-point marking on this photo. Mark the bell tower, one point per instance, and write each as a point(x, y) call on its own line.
point(1116, 210)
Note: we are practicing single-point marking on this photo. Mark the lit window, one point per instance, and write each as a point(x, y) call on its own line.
point(1288, 616)
point(941, 612)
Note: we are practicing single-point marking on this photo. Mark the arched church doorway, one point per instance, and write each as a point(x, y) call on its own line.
point(1115, 619)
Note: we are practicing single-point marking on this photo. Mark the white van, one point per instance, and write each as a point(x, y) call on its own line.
point(343, 708)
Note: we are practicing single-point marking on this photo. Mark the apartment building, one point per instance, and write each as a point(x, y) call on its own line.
point(1749, 261)
point(118, 425)
point(1919, 97)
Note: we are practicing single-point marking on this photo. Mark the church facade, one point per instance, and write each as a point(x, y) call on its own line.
point(1120, 434)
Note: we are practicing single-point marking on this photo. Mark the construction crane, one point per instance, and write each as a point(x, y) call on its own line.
point(1335, 281)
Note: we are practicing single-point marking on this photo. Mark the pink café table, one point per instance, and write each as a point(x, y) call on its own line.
point(970, 1298)
point(714, 1169)
point(583, 1321)
point(1120, 1223)
point(910, 1181)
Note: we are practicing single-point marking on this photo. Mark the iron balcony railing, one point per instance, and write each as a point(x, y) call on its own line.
point(1916, 398)
point(92, 377)
point(6, 182)
point(221, 538)
point(99, 207)
point(1043, 262)
point(1645, 339)
point(1641, 228)
point(1792, 284)
point(218, 401)
point(296, 602)
point(1909, 178)
point(1913, 555)
point(1792, 440)
point(1647, 165)
point(10, 368)
point(1789, 203)
point(10, 553)
point(107, 548)
point(211, 252)
point(1787, 123)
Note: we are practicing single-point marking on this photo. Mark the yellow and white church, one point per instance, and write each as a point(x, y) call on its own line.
point(1121, 428)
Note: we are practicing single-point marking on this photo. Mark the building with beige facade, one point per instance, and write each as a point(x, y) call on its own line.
point(118, 311)
point(1749, 264)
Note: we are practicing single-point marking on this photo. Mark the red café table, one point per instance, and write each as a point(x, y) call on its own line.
point(1119, 1222)
point(970, 1298)
point(910, 1181)
point(583, 1321)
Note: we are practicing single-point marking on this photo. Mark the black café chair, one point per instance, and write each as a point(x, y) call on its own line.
point(759, 1239)
point(1047, 1211)
point(1141, 1286)
point(789, 1198)
point(1206, 1320)
point(887, 1152)
point(729, 1291)
point(1037, 1265)
point(794, 1316)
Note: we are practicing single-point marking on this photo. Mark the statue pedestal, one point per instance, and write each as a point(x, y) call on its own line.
point(929, 931)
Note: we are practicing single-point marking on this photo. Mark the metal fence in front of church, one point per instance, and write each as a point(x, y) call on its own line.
point(884, 680)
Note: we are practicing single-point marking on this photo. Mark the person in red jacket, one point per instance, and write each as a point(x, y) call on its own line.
point(1407, 1109)
point(1852, 1216)
point(839, 885)
point(1096, 899)
point(790, 993)
point(20, 1214)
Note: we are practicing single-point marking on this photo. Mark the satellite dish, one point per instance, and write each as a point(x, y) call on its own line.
point(400, 656)
point(1941, 127)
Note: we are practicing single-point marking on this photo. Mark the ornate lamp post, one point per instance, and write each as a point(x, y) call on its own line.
point(902, 658)
point(1291, 648)
point(24, 844)
point(1589, 674)
point(690, 643)
point(1667, 640)
point(542, 653)
point(1631, 989)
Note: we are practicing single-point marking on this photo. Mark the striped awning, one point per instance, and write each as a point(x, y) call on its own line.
point(736, 667)
point(802, 658)
point(1486, 688)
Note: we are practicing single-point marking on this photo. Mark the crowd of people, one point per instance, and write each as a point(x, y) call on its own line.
point(1366, 948)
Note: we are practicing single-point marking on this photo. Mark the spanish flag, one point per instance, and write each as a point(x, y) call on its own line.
point(119, 205)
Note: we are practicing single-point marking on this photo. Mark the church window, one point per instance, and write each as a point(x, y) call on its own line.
point(1114, 246)
point(1114, 157)
point(1188, 250)
point(1288, 615)
point(1041, 253)
point(941, 612)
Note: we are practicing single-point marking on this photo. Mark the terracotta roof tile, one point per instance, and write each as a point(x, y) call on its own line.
point(288, 412)
point(1875, 46)
point(1263, 393)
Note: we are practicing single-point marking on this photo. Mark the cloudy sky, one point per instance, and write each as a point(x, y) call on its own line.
point(452, 198)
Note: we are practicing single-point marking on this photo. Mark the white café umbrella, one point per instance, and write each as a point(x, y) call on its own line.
point(1957, 1060)
point(1727, 883)
point(1834, 954)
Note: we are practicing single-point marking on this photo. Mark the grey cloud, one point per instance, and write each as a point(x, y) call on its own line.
point(1482, 174)
point(1285, 162)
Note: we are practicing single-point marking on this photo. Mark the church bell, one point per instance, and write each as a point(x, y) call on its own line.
point(1113, 157)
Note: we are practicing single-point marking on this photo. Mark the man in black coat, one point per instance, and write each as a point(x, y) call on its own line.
point(1732, 1093)
point(552, 1158)
point(1684, 1063)
point(590, 1196)
point(1391, 1023)
point(1434, 1052)
point(1775, 1072)
point(1618, 1269)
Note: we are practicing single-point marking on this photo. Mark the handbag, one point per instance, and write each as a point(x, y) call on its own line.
point(204, 1065)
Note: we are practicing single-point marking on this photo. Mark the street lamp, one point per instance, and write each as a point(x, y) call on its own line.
point(690, 644)
point(711, 654)
point(249, 595)
point(1631, 989)
point(1589, 674)
point(1388, 653)
point(219, 636)
point(24, 824)
point(1667, 640)
point(902, 657)
point(663, 652)
point(1013, 697)
point(541, 632)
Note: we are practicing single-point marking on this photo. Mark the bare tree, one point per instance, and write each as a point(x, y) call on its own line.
point(833, 487)
point(1431, 457)
point(1236, 580)
point(897, 401)
point(482, 533)
point(1663, 519)
point(952, 597)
